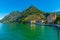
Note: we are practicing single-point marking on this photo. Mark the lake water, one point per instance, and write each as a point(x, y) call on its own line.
point(28, 32)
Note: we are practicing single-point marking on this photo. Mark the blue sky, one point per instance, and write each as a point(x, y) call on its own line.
point(6, 6)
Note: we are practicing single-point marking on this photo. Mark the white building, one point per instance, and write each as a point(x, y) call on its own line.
point(51, 18)
point(33, 21)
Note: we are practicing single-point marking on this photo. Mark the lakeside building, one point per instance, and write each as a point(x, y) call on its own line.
point(37, 21)
point(33, 21)
point(51, 18)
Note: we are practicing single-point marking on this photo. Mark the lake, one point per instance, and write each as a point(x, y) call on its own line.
point(28, 32)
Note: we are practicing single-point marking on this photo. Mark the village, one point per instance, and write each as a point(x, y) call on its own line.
point(50, 19)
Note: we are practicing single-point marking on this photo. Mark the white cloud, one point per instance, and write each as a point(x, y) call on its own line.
point(0, 18)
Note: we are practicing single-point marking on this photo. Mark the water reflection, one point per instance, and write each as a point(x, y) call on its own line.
point(1, 28)
point(33, 26)
point(58, 34)
point(27, 32)
point(43, 28)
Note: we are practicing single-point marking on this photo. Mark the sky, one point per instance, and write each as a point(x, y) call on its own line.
point(6, 6)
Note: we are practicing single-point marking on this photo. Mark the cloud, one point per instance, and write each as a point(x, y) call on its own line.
point(0, 18)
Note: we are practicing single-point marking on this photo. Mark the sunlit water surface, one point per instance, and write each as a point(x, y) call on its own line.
point(28, 32)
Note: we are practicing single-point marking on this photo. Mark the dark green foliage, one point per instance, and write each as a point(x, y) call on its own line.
point(58, 17)
point(47, 14)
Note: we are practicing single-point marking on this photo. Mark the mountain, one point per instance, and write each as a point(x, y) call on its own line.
point(31, 13)
point(32, 10)
point(11, 17)
point(57, 12)
point(28, 14)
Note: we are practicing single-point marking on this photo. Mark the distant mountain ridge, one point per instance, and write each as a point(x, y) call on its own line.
point(11, 17)
point(32, 13)
point(57, 12)
point(16, 16)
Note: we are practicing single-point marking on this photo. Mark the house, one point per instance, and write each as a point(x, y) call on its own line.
point(33, 21)
point(51, 18)
point(40, 21)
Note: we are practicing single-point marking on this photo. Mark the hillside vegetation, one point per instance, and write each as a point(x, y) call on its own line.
point(32, 13)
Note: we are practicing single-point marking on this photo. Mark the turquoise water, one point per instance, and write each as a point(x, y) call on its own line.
point(28, 32)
